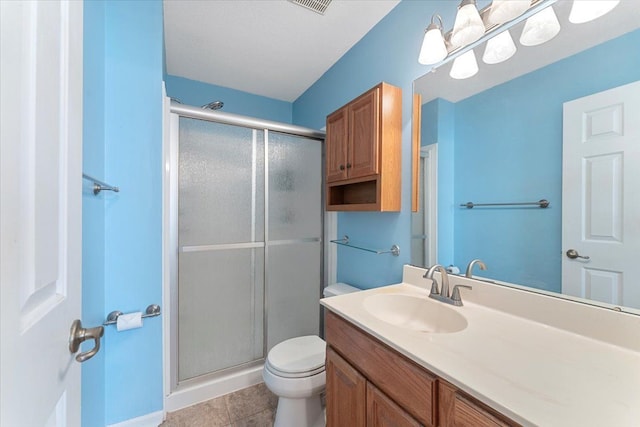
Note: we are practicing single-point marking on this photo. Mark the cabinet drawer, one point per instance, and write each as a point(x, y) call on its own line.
point(408, 384)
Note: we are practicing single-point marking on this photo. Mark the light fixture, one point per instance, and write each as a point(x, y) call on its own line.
point(540, 28)
point(505, 10)
point(492, 24)
point(468, 26)
point(587, 10)
point(433, 49)
point(499, 48)
point(464, 66)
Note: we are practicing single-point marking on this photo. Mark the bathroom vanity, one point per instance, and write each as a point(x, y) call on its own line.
point(366, 382)
point(396, 357)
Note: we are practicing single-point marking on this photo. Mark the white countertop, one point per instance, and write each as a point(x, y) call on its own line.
point(534, 373)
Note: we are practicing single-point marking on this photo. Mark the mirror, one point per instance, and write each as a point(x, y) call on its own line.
point(499, 138)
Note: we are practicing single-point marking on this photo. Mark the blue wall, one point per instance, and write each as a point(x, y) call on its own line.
point(133, 161)
point(122, 233)
point(93, 214)
point(498, 135)
point(197, 93)
point(387, 53)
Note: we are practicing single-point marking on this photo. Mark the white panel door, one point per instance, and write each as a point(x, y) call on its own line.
point(601, 196)
point(40, 207)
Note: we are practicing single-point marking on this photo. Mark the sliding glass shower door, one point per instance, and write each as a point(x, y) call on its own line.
point(249, 253)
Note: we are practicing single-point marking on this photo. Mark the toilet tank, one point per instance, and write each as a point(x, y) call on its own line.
point(339, 289)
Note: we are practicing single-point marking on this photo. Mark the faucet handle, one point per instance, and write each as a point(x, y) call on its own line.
point(455, 295)
point(434, 288)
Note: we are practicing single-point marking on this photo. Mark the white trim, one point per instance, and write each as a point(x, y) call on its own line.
point(150, 420)
point(330, 249)
point(166, 244)
point(211, 389)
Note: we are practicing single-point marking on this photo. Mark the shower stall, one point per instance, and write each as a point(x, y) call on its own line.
point(243, 247)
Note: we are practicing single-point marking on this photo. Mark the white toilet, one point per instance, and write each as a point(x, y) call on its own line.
point(294, 371)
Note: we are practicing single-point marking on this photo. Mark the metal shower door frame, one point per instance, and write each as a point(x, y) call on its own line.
point(170, 245)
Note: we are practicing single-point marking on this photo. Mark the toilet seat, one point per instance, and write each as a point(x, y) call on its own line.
point(297, 357)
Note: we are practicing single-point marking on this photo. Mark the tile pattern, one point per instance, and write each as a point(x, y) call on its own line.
point(254, 406)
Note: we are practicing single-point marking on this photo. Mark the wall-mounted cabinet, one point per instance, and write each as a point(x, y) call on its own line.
point(363, 152)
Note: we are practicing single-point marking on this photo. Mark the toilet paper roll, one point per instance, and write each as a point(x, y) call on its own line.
point(129, 321)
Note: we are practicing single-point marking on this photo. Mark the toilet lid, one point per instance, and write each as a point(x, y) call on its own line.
point(298, 356)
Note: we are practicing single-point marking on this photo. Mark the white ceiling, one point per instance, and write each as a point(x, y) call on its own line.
point(272, 48)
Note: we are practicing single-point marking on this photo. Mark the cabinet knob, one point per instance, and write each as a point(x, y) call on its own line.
point(341, 167)
point(348, 165)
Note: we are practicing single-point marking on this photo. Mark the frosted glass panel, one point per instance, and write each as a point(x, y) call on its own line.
point(220, 320)
point(295, 187)
point(221, 201)
point(221, 184)
point(293, 273)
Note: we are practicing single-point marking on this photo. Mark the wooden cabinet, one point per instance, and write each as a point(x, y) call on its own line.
point(460, 410)
point(384, 412)
point(346, 405)
point(403, 382)
point(363, 152)
point(356, 402)
point(370, 384)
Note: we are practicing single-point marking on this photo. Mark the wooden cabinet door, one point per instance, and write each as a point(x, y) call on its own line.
point(384, 412)
point(409, 385)
point(346, 393)
point(336, 145)
point(457, 410)
point(364, 135)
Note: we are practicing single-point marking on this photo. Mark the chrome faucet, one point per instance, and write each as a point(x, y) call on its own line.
point(469, 272)
point(444, 291)
point(443, 294)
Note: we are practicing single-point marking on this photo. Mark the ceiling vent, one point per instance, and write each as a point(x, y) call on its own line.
point(318, 6)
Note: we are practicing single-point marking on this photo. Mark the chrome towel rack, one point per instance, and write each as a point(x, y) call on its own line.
point(543, 203)
point(395, 249)
point(99, 186)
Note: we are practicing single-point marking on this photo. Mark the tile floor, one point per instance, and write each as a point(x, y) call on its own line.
point(250, 407)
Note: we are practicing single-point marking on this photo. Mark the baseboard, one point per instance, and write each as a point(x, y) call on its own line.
point(214, 388)
point(153, 419)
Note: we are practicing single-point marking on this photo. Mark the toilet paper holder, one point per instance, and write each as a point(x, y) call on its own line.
point(152, 311)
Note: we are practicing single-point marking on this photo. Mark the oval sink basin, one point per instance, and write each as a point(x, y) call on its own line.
point(415, 313)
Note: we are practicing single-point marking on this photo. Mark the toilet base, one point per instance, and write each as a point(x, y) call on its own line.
point(303, 412)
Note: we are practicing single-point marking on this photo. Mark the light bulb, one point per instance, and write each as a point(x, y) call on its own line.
point(587, 10)
point(433, 49)
point(464, 66)
point(505, 10)
point(540, 28)
point(499, 48)
point(468, 26)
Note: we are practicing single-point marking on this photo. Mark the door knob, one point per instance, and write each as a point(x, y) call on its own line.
point(78, 334)
point(573, 254)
